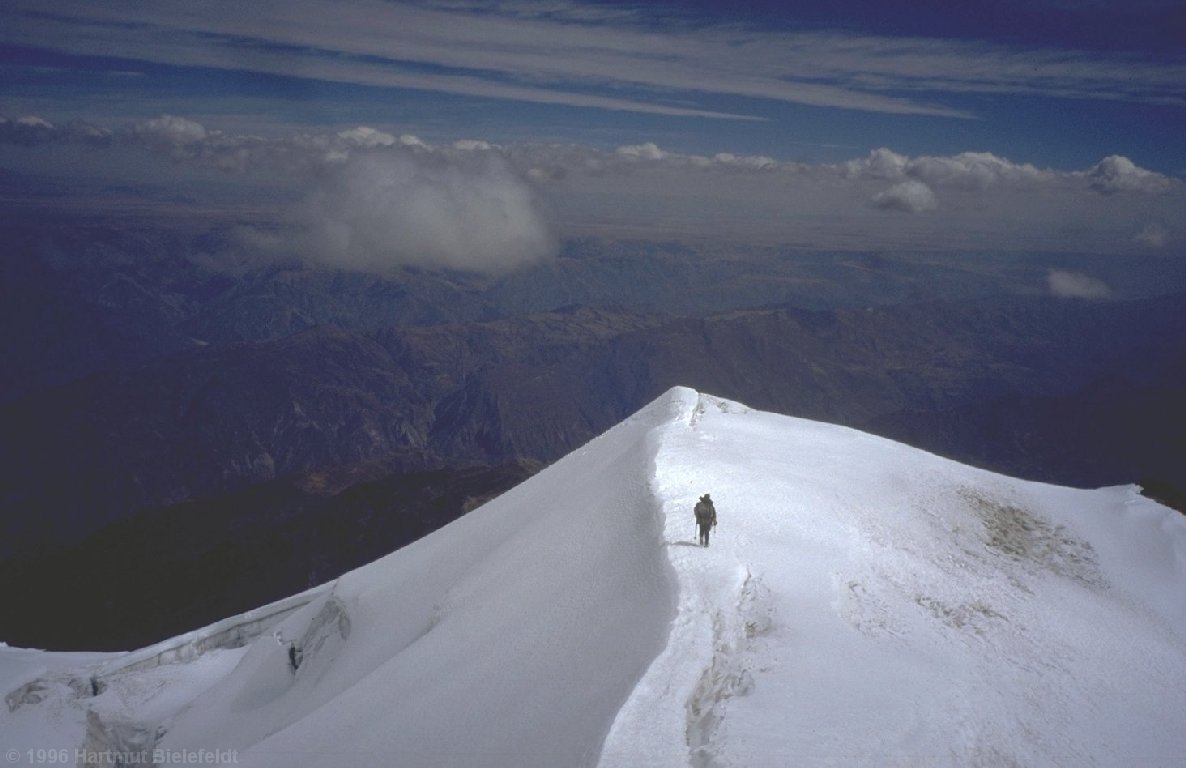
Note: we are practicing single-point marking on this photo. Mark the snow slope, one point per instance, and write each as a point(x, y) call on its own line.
point(862, 603)
point(866, 603)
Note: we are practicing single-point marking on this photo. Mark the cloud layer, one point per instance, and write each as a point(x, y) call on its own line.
point(375, 199)
point(372, 201)
point(907, 196)
point(970, 200)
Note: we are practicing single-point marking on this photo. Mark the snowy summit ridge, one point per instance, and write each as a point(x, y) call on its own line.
point(862, 603)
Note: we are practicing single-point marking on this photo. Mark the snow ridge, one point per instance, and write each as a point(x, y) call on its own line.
point(865, 603)
point(722, 612)
point(862, 603)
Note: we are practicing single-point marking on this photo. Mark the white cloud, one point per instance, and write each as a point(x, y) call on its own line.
point(1073, 285)
point(976, 169)
point(393, 206)
point(880, 164)
point(32, 121)
point(177, 131)
point(907, 196)
point(472, 145)
point(1153, 235)
point(967, 169)
point(721, 160)
point(412, 141)
point(754, 162)
point(29, 130)
point(87, 133)
point(364, 136)
point(976, 200)
point(1117, 173)
point(639, 189)
point(647, 151)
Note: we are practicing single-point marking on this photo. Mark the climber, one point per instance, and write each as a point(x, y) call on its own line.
point(706, 518)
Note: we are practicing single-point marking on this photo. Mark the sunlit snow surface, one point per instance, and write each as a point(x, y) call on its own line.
point(862, 603)
point(865, 603)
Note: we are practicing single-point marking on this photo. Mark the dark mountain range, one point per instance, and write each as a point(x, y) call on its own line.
point(537, 386)
point(160, 387)
point(83, 295)
point(165, 571)
point(217, 420)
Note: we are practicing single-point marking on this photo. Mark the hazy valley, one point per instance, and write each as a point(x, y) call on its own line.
point(185, 382)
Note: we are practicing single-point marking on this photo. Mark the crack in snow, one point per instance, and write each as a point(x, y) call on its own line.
point(730, 673)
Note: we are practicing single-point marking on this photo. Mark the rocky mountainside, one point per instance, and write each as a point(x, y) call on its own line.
point(536, 386)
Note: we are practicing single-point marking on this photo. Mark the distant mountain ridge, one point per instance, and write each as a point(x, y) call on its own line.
point(82, 295)
point(536, 386)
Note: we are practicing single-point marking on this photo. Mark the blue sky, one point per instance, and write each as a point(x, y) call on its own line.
point(824, 123)
point(1054, 83)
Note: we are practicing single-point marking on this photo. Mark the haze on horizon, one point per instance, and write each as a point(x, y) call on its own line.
point(477, 135)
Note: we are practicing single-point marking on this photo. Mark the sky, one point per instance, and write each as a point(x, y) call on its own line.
point(678, 99)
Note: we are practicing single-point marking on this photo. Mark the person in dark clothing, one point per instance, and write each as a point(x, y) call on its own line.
point(294, 652)
point(294, 657)
point(706, 518)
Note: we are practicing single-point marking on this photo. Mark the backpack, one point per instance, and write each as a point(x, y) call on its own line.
point(705, 512)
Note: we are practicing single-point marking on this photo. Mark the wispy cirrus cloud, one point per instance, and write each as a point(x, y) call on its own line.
point(578, 55)
point(320, 46)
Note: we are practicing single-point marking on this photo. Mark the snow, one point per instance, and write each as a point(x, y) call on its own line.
point(862, 603)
